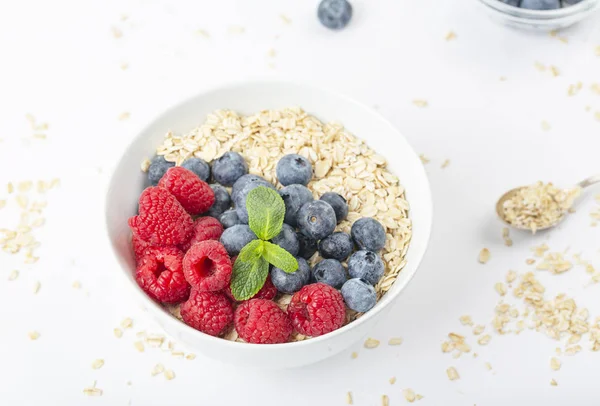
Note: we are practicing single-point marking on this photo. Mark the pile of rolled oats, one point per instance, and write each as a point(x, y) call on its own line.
point(539, 206)
point(342, 163)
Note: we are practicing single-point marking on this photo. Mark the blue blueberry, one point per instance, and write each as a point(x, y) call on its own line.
point(540, 4)
point(308, 246)
point(228, 168)
point(198, 166)
point(331, 272)
point(366, 265)
point(287, 239)
point(339, 204)
point(359, 295)
point(316, 219)
point(291, 282)
point(368, 234)
point(229, 218)
point(240, 196)
point(337, 246)
point(222, 201)
point(334, 14)
point(235, 238)
point(512, 2)
point(241, 183)
point(294, 169)
point(158, 167)
point(294, 196)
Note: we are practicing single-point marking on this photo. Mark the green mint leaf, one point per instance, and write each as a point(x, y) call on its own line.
point(279, 257)
point(250, 271)
point(266, 211)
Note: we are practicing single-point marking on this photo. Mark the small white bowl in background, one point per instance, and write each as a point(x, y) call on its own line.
point(127, 183)
point(538, 20)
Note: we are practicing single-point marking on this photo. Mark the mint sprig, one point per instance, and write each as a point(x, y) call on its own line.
point(266, 211)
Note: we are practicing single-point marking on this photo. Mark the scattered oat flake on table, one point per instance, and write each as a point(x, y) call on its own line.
point(236, 29)
point(116, 32)
point(466, 320)
point(553, 382)
point(555, 263)
point(409, 395)
point(124, 116)
point(392, 380)
point(371, 343)
point(385, 400)
point(488, 366)
point(145, 165)
point(354, 355)
point(139, 346)
point(349, 398)
point(445, 164)
point(511, 276)
point(190, 356)
point(484, 255)
point(597, 115)
point(478, 329)
point(13, 275)
point(598, 50)
point(555, 363)
point(554, 70)
point(420, 103)
point(118, 332)
point(502, 78)
point(33, 335)
point(36, 287)
point(484, 340)
point(540, 66)
point(424, 159)
point(271, 53)
point(169, 374)
point(450, 36)
point(92, 391)
point(452, 374)
point(500, 288)
point(395, 341)
point(127, 323)
point(97, 364)
point(545, 125)
point(76, 285)
point(574, 89)
point(157, 370)
point(285, 19)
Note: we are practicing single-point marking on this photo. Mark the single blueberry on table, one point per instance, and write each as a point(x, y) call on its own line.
point(222, 201)
point(334, 14)
point(229, 218)
point(158, 167)
point(331, 272)
point(316, 219)
point(291, 282)
point(228, 168)
point(540, 4)
point(294, 196)
point(198, 166)
point(339, 204)
point(240, 195)
point(237, 237)
point(287, 239)
point(308, 246)
point(337, 246)
point(366, 265)
point(294, 169)
point(368, 234)
point(515, 3)
point(359, 295)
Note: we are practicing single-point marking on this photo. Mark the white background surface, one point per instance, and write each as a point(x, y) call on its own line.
point(60, 62)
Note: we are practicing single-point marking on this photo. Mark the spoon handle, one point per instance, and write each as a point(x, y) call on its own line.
point(589, 181)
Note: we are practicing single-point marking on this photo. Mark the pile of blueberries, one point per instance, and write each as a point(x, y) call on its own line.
point(309, 226)
point(541, 4)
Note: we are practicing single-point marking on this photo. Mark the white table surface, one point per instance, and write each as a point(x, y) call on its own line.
point(60, 62)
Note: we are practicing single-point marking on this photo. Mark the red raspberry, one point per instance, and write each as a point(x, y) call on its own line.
point(209, 312)
point(261, 321)
point(159, 273)
point(139, 247)
point(207, 266)
point(268, 291)
point(162, 221)
point(192, 192)
point(317, 309)
point(205, 228)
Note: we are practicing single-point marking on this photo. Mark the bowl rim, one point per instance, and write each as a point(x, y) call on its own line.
point(540, 15)
point(159, 311)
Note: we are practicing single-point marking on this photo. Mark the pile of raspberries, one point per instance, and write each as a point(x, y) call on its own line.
point(179, 260)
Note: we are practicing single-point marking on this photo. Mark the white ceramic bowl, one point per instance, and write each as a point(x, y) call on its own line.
point(126, 186)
